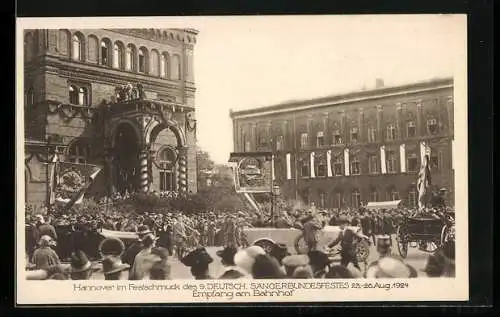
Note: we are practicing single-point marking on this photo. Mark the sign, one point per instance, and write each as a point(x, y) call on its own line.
point(252, 172)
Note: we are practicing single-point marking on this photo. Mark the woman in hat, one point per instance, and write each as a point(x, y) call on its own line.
point(390, 267)
point(45, 256)
point(198, 260)
point(231, 271)
point(293, 262)
point(81, 268)
point(112, 268)
point(143, 260)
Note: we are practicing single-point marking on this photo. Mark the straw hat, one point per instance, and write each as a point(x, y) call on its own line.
point(112, 265)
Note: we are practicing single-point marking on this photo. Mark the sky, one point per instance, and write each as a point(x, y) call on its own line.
point(243, 62)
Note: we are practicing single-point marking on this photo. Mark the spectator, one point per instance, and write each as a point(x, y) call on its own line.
point(231, 271)
point(45, 257)
point(198, 260)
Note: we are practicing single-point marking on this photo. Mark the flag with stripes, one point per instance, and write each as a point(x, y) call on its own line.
point(424, 182)
point(76, 197)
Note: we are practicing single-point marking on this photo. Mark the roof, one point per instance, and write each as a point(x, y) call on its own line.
point(354, 96)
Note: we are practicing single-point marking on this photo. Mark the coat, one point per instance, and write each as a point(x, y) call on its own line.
point(312, 230)
point(45, 257)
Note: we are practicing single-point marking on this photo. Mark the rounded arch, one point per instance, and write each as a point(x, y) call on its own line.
point(155, 63)
point(92, 48)
point(119, 124)
point(165, 65)
point(143, 62)
point(131, 57)
point(166, 153)
point(154, 129)
point(78, 46)
point(175, 70)
point(119, 55)
point(64, 41)
point(106, 51)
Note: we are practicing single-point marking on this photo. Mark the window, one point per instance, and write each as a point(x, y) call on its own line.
point(154, 68)
point(303, 140)
point(338, 166)
point(391, 162)
point(372, 134)
point(279, 143)
point(165, 66)
point(355, 165)
point(78, 152)
point(337, 137)
point(167, 170)
point(247, 146)
point(411, 129)
point(355, 198)
point(393, 194)
point(118, 56)
point(391, 131)
point(372, 164)
point(77, 48)
point(412, 198)
point(304, 168)
point(142, 61)
point(374, 195)
point(73, 95)
point(105, 53)
point(30, 98)
point(354, 135)
point(79, 95)
point(434, 161)
point(320, 166)
point(130, 58)
point(176, 67)
point(432, 126)
point(337, 202)
point(322, 200)
point(412, 162)
point(320, 139)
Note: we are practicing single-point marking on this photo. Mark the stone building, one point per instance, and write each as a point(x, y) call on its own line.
point(122, 99)
point(342, 150)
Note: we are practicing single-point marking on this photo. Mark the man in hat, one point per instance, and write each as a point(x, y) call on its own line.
point(143, 260)
point(45, 257)
point(231, 271)
point(346, 239)
point(81, 267)
point(44, 228)
point(112, 267)
point(136, 246)
point(179, 235)
point(312, 230)
point(279, 251)
point(198, 260)
point(390, 267)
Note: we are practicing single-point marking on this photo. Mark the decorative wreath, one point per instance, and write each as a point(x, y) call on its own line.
point(71, 181)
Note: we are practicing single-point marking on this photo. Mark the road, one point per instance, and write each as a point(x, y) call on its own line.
point(415, 258)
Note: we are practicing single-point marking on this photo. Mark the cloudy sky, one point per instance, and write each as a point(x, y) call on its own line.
point(247, 62)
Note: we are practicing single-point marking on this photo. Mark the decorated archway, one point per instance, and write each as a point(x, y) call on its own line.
point(125, 164)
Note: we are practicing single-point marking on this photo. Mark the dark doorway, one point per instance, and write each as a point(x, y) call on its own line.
point(126, 154)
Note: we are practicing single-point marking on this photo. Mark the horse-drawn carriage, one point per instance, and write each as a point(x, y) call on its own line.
point(428, 232)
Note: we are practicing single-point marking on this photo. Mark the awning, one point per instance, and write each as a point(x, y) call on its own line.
point(377, 205)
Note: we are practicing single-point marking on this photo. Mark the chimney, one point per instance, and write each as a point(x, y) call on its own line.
point(379, 83)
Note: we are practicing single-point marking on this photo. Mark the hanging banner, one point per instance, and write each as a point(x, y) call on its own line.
point(253, 172)
point(72, 178)
point(288, 166)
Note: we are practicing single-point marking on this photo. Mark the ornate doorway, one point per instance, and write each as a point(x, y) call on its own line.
point(126, 159)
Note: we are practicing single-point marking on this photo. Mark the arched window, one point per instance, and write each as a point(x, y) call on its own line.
point(412, 197)
point(154, 68)
point(432, 126)
point(92, 49)
point(165, 66)
point(73, 94)
point(167, 159)
point(143, 60)
point(106, 52)
point(355, 198)
point(29, 47)
point(118, 57)
point(77, 48)
point(78, 152)
point(176, 67)
point(130, 59)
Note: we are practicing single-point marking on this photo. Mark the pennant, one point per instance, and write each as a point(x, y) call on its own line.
point(383, 166)
point(329, 163)
point(288, 166)
point(346, 162)
point(53, 179)
point(402, 158)
point(273, 168)
point(424, 183)
point(311, 160)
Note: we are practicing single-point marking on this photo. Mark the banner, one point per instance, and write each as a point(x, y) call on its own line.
point(71, 179)
point(253, 172)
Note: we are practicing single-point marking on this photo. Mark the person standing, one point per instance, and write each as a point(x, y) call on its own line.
point(346, 240)
point(142, 262)
point(45, 257)
point(312, 231)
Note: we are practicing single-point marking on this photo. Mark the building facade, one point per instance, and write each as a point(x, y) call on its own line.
point(342, 150)
point(121, 99)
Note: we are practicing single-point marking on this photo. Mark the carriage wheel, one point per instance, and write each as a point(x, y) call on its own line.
point(267, 245)
point(402, 243)
point(300, 245)
point(362, 251)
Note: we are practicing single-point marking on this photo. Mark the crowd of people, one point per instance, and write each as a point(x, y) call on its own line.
point(162, 236)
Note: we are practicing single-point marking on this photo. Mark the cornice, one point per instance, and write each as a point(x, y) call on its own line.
point(164, 36)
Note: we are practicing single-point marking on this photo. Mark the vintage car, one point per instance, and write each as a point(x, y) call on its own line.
point(293, 238)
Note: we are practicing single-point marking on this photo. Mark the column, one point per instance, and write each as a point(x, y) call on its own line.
point(383, 167)
point(182, 169)
point(346, 162)
point(143, 170)
point(329, 163)
point(402, 158)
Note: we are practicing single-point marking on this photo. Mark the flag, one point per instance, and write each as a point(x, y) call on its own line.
point(78, 198)
point(312, 161)
point(53, 179)
point(424, 183)
point(346, 162)
point(329, 163)
point(288, 166)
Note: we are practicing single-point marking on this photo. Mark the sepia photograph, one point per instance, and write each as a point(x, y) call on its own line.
point(227, 159)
